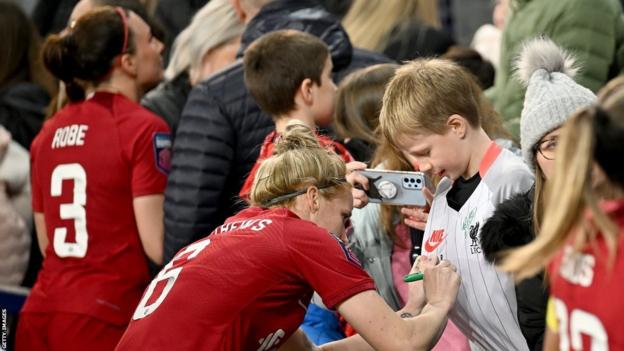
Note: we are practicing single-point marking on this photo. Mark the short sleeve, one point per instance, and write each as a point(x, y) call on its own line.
point(327, 265)
point(150, 157)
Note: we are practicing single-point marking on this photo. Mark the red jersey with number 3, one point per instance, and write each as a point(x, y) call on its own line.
point(586, 294)
point(245, 287)
point(88, 163)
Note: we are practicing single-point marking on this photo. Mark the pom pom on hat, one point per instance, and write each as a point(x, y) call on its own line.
point(552, 96)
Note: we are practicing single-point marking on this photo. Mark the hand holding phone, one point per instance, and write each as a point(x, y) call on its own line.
point(396, 187)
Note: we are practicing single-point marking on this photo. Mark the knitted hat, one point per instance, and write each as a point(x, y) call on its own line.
point(551, 96)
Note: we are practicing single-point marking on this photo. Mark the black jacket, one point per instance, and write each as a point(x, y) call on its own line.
point(222, 128)
point(174, 16)
point(22, 111)
point(168, 98)
point(412, 39)
point(511, 226)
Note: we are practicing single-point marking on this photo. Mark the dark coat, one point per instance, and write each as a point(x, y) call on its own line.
point(511, 226)
point(51, 16)
point(168, 99)
point(22, 111)
point(222, 128)
point(174, 16)
point(412, 39)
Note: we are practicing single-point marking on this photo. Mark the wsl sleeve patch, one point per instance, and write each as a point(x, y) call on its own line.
point(347, 252)
point(162, 151)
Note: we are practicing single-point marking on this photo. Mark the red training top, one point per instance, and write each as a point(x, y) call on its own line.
point(586, 294)
point(88, 163)
point(267, 151)
point(245, 287)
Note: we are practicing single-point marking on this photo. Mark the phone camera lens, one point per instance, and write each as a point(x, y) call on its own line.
point(418, 181)
point(411, 180)
point(405, 180)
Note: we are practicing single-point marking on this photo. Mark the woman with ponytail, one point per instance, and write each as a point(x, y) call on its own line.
point(552, 96)
point(580, 241)
point(248, 284)
point(98, 176)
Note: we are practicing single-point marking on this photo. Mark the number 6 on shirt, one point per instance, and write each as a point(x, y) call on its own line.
point(75, 210)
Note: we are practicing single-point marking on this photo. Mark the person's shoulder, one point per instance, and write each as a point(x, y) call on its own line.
point(134, 114)
point(224, 91)
point(361, 58)
point(25, 94)
point(296, 229)
point(227, 77)
point(509, 166)
point(507, 175)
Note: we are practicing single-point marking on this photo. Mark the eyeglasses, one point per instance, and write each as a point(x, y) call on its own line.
point(547, 147)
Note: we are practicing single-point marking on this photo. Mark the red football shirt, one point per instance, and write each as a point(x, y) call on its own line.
point(266, 151)
point(245, 287)
point(587, 295)
point(88, 163)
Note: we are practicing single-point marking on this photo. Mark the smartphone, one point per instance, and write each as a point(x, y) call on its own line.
point(397, 187)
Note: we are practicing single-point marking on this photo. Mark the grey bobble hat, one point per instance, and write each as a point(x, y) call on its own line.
point(552, 96)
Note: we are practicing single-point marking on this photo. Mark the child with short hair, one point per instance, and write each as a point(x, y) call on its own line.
point(431, 113)
point(289, 75)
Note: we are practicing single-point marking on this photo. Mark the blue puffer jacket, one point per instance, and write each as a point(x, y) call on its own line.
point(222, 128)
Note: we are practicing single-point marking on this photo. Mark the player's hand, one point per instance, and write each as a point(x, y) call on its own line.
point(441, 284)
point(416, 299)
point(359, 182)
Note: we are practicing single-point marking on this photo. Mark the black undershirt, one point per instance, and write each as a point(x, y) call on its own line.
point(456, 198)
point(461, 191)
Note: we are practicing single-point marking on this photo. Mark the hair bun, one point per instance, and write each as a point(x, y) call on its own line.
point(58, 56)
point(296, 136)
point(543, 53)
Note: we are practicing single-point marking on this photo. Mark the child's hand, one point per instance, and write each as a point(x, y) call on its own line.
point(416, 217)
point(360, 199)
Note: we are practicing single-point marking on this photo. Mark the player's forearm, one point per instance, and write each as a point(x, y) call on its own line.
point(425, 329)
point(427, 326)
point(352, 343)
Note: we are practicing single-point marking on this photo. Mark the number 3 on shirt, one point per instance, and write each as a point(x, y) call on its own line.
point(74, 210)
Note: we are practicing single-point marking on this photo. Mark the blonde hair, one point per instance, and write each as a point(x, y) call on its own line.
point(214, 25)
point(298, 161)
point(424, 93)
point(370, 22)
point(572, 186)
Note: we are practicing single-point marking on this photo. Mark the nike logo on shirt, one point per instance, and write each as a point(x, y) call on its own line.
point(435, 240)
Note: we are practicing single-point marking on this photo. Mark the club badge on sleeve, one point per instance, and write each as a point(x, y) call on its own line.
point(162, 151)
point(349, 255)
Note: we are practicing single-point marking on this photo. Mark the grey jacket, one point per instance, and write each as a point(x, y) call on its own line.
point(373, 248)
